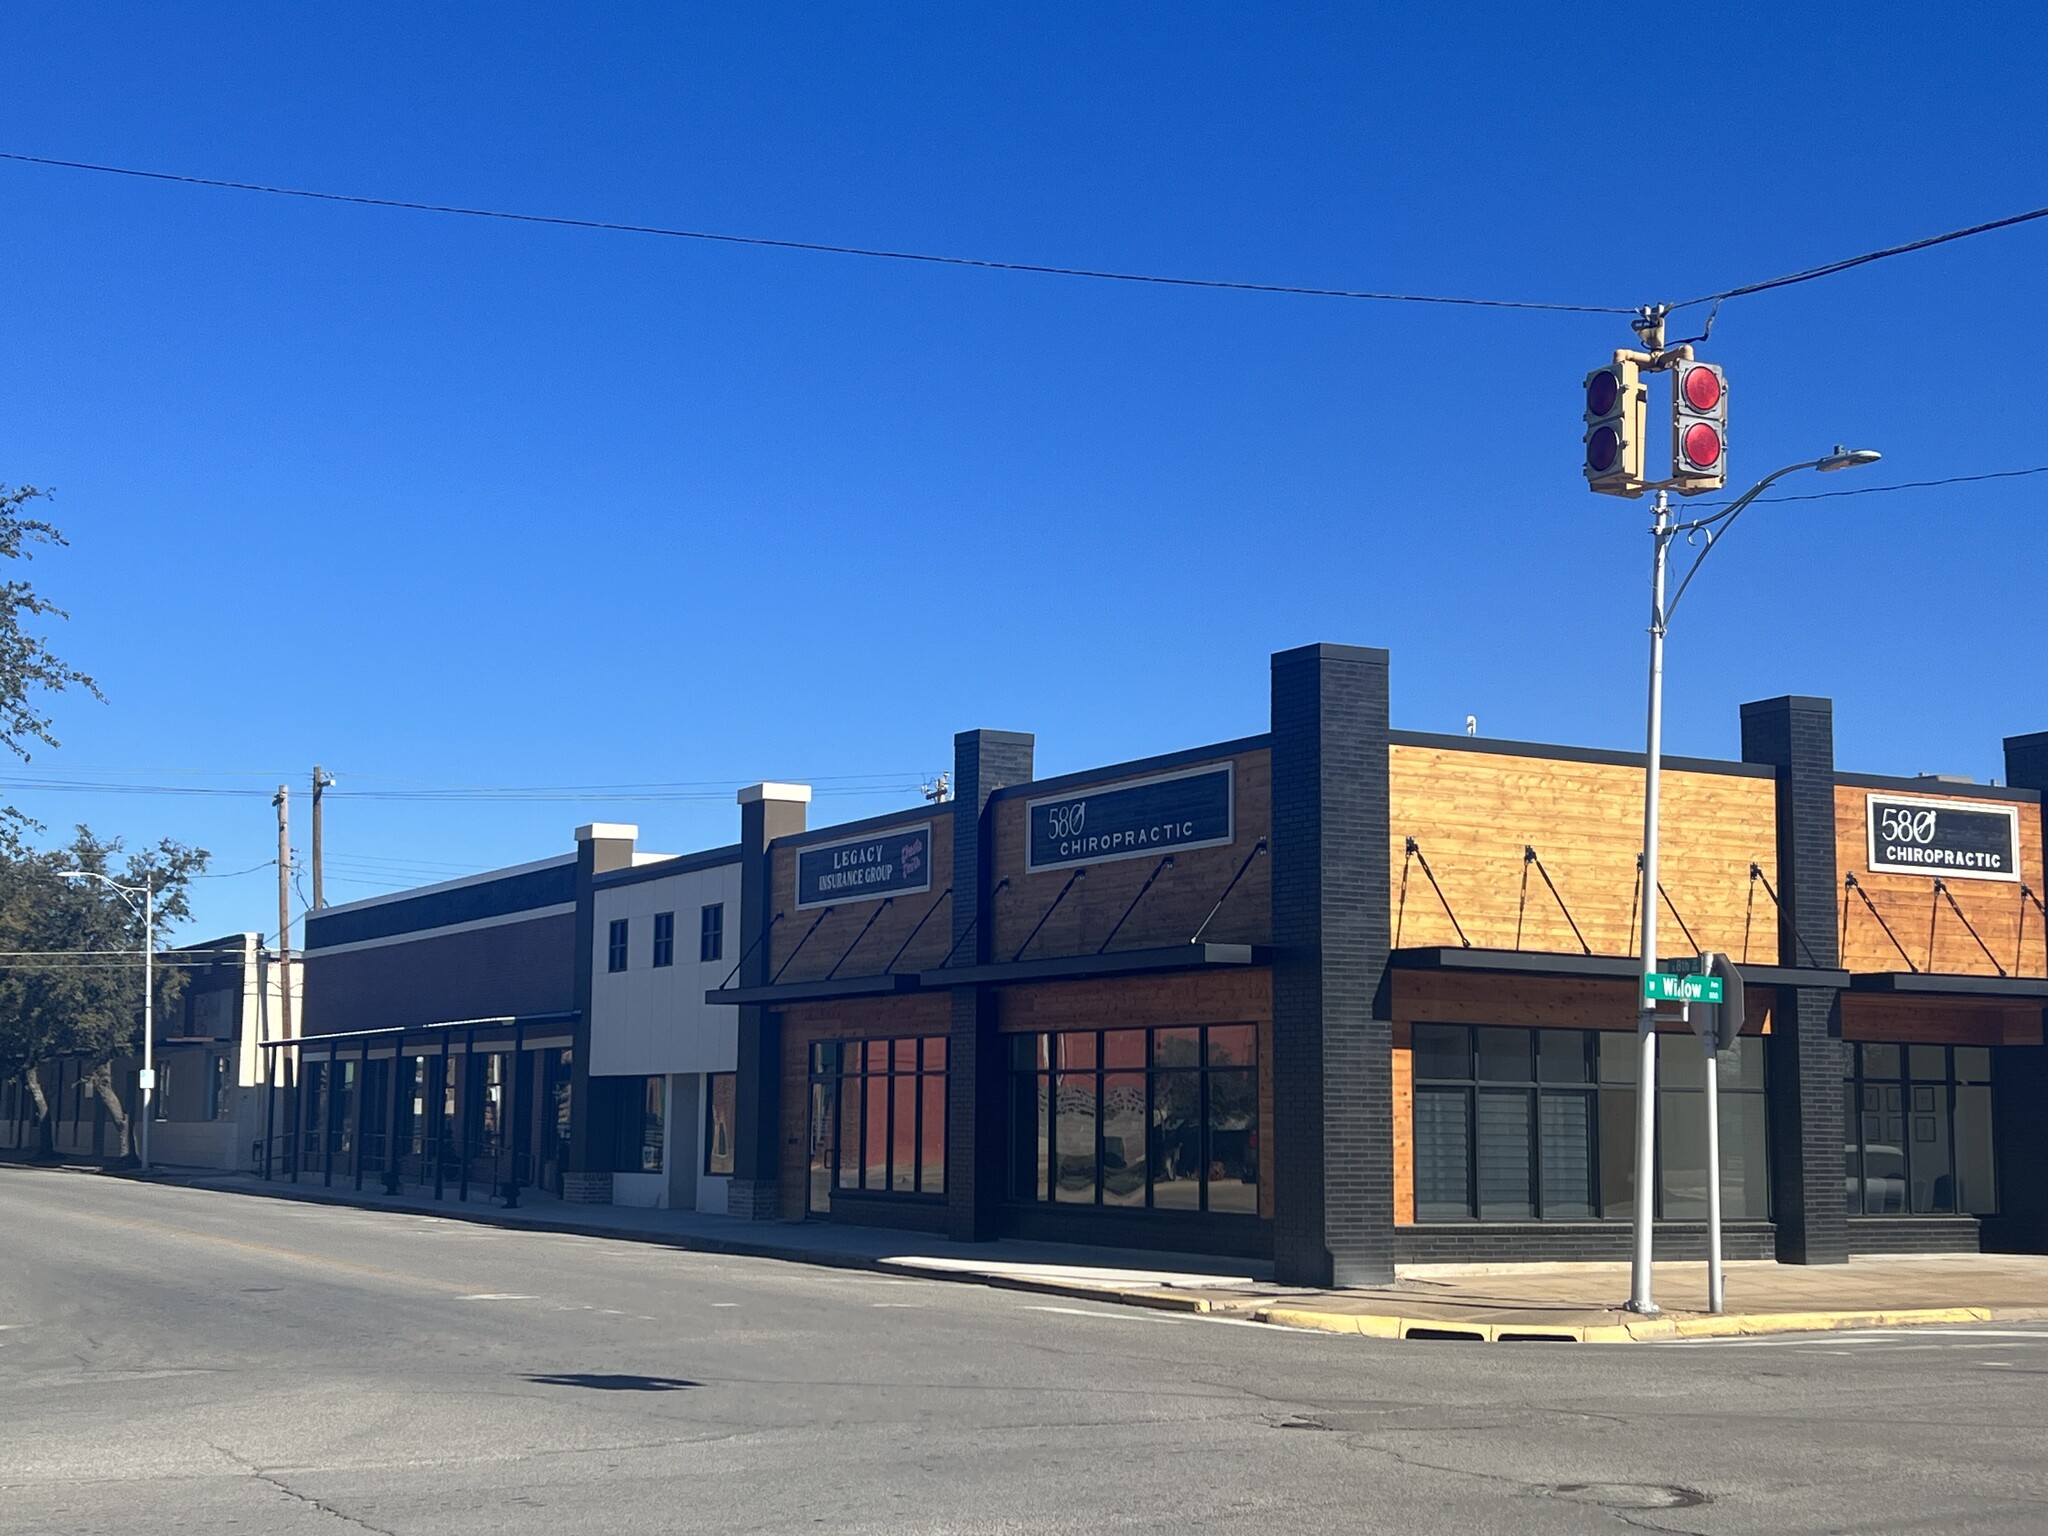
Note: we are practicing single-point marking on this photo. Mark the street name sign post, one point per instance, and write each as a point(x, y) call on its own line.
point(1664, 987)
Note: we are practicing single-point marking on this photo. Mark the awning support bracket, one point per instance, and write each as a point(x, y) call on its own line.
point(1046, 916)
point(1849, 883)
point(1257, 848)
point(1529, 856)
point(1157, 870)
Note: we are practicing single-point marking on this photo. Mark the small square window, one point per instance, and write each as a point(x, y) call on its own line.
point(711, 933)
point(615, 958)
point(664, 938)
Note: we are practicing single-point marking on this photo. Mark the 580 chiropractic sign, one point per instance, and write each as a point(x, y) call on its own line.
point(1161, 815)
point(1911, 836)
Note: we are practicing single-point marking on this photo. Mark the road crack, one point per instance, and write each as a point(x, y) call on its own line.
point(263, 1475)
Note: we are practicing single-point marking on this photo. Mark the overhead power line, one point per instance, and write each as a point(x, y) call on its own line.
point(818, 247)
point(1829, 269)
point(1903, 485)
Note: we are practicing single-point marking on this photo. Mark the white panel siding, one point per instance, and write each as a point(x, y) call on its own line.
point(645, 1020)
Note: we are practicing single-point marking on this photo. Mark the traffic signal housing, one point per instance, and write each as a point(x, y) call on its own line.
point(1617, 414)
point(1699, 428)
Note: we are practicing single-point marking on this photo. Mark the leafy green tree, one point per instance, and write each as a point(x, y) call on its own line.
point(73, 986)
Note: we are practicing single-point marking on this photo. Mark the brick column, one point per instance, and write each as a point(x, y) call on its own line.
point(587, 1180)
point(1332, 1067)
point(1796, 736)
point(2019, 1073)
point(767, 811)
point(983, 762)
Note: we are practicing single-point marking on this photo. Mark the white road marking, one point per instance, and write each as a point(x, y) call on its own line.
point(496, 1296)
point(1136, 1314)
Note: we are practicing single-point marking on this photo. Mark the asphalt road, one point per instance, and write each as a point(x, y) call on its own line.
point(175, 1359)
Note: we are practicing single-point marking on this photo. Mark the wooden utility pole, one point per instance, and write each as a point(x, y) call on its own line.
point(284, 909)
point(321, 780)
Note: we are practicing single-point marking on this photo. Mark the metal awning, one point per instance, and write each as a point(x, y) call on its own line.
point(1524, 962)
point(2018, 989)
point(1126, 962)
point(820, 990)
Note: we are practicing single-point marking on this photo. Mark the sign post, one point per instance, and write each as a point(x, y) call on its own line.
point(1717, 1026)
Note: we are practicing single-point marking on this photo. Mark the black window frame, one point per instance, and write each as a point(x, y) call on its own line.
point(711, 932)
point(1857, 1082)
point(849, 1087)
point(618, 941)
point(664, 939)
point(1593, 1086)
point(1032, 1181)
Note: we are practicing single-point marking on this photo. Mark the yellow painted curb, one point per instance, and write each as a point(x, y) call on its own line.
point(1647, 1330)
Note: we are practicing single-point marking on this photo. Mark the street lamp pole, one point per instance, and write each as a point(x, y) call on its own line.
point(128, 893)
point(1709, 531)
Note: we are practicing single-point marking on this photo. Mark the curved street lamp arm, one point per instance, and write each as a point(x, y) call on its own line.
point(1725, 519)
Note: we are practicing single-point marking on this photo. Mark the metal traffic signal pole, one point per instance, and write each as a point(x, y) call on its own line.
point(1640, 1299)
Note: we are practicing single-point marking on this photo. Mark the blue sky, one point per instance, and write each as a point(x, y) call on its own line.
point(442, 502)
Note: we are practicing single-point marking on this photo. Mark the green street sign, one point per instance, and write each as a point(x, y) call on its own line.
point(1663, 987)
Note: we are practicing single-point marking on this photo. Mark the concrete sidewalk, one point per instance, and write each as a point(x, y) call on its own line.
point(1579, 1303)
point(1582, 1302)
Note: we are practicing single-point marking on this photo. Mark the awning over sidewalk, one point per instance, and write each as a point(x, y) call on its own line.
point(1523, 962)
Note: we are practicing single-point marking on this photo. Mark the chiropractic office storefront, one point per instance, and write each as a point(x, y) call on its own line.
point(1347, 996)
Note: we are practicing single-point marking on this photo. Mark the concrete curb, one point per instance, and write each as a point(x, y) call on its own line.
point(1647, 1330)
point(1156, 1299)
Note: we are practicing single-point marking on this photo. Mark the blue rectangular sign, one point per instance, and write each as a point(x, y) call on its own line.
point(1139, 817)
point(897, 862)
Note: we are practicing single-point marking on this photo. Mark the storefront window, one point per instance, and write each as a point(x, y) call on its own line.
point(1917, 1130)
point(878, 1121)
point(1136, 1119)
point(720, 1091)
point(653, 1101)
point(1539, 1124)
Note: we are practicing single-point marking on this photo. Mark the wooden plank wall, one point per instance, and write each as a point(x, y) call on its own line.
point(1472, 812)
point(1943, 1021)
point(1171, 910)
point(848, 917)
point(1908, 901)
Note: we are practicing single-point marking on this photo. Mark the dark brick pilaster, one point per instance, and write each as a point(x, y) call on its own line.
point(983, 762)
point(1796, 736)
point(2019, 1073)
point(600, 848)
point(767, 811)
point(1333, 1107)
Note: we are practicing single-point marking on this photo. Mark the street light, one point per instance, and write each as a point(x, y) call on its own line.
point(128, 893)
point(1711, 530)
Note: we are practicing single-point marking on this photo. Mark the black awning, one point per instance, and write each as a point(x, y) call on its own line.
point(2022, 989)
point(1127, 962)
point(818, 991)
point(1524, 962)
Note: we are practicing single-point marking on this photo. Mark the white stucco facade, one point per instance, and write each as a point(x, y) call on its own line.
point(651, 1020)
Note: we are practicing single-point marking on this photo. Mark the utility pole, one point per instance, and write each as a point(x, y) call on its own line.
point(322, 779)
point(284, 909)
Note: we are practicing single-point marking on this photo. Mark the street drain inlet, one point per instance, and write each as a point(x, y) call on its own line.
point(1626, 1495)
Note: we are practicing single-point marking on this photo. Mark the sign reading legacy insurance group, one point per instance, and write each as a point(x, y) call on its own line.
point(1971, 839)
point(1161, 815)
point(897, 862)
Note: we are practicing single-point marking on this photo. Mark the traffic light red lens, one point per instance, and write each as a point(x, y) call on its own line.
point(1702, 442)
point(1702, 388)
point(1602, 390)
point(1602, 449)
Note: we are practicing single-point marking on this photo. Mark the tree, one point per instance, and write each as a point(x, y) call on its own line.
point(28, 667)
point(74, 986)
point(71, 988)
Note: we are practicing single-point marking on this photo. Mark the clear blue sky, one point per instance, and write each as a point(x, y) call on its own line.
point(453, 502)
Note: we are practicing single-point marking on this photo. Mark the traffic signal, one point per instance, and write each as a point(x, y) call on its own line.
point(1699, 428)
point(1617, 410)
